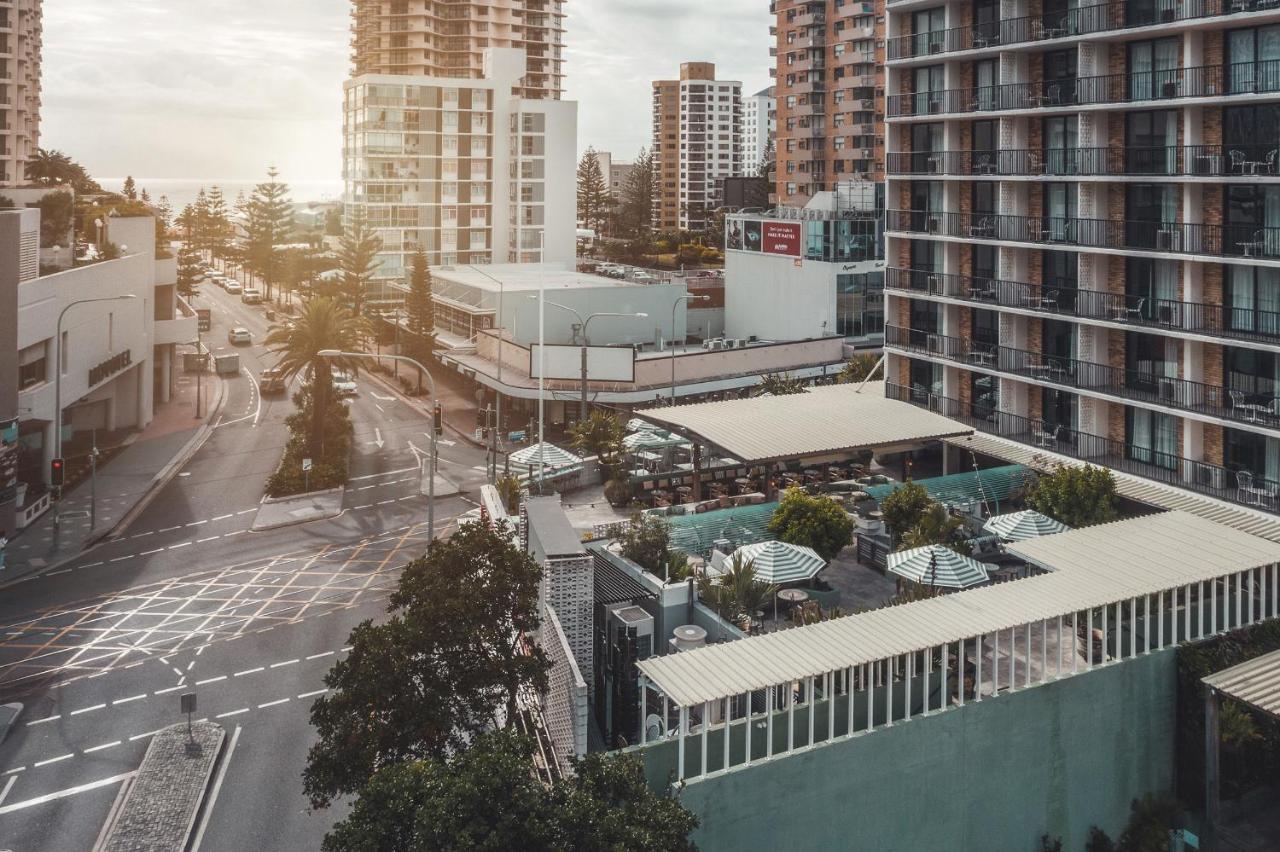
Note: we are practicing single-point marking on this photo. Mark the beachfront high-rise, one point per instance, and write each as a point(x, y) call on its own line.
point(830, 90)
point(447, 38)
point(1083, 234)
point(20, 36)
point(697, 141)
point(461, 167)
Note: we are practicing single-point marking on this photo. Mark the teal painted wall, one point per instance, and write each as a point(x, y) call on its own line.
point(995, 775)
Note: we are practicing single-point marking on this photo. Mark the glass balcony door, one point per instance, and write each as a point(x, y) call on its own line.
point(926, 141)
point(1060, 211)
point(1253, 60)
point(1151, 216)
point(1151, 143)
point(1151, 288)
point(1253, 300)
point(1153, 69)
point(1152, 437)
point(929, 30)
point(1061, 145)
point(929, 84)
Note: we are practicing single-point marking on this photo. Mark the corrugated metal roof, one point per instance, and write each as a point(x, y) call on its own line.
point(1092, 567)
point(613, 585)
point(1256, 682)
point(1132, 487)
point(818, 422)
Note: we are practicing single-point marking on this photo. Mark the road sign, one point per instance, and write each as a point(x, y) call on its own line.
point(188, 700)
point(204, 319)
point(306, 465)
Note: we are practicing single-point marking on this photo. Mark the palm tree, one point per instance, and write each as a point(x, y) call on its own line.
point(859, 368)
point(323, 324)
point(738, 592)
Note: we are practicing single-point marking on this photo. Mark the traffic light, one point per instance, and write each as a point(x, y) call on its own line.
point(57, 472)
point(437, 419)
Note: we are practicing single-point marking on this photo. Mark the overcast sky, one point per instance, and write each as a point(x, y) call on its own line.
point(221, 88)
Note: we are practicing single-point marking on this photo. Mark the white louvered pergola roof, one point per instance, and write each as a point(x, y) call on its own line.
point(1256, 682)
point(820, 421)
point(1089, 568)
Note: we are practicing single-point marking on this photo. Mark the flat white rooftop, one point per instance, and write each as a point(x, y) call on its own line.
point(521, 277)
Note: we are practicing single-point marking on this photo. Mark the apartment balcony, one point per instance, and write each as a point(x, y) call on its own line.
point(1255, 405)
point(1181, 472)
point(1234, 240)
point(1074, 23)
point(1062, 299)
point(1204, 81)
point(1215, 161)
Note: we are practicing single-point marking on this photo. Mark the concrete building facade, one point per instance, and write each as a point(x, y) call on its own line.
point(830, 93)
point(697, 140)
point(117, 356)
point(759, 124)
point(20, 44)
point(461, 168)
point(1083, 233)
point(446, 38)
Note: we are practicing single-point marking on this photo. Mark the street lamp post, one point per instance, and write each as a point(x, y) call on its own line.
point(582, 410)
point(685, 298)
point(431, 402)
point(57, 390)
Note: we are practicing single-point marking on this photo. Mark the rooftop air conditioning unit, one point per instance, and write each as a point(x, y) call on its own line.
point(688, 637)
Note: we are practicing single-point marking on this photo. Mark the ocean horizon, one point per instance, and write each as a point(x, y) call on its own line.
point(183, 191)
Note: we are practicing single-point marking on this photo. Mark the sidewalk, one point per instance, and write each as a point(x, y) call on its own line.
point(125, 484)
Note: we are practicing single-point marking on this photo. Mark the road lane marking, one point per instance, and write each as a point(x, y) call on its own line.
point(45, 719)
point(141, 535)
point(150, 552)
point(167, 690)
point(312, 694)
point(40, 763)
point(210, 538)
point(138, 697)
point(272, 703)
point(87, 709)
point(170, 529)
point(176, 546)
point(144, 736)
point(321, 654)
point(4, 794)
point(14, 771)
point(70, 791)
point(250, 671)
point(384, 473)
point(211, 680)
point(198, 523)
point(103, 746)
point(285, 663)
point(223, 517)
point(237, 532)
point(121, 558)
point(232, 713)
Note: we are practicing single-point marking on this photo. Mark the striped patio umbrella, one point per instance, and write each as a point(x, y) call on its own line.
point(548, 455)
point(635, 424)
point(647, 440)
point(779, 562)
point(935, 565)
point(1020, 526)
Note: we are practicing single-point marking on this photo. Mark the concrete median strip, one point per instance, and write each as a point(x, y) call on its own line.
point(300, 509)
point(161, 807)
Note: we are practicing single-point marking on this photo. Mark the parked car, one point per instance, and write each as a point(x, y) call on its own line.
point(239, 336)
point(251, 295)
point(344, 384)
point(271, 381)
point(233, 287)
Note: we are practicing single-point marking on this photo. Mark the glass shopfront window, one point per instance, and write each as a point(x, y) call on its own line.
point(860, 304)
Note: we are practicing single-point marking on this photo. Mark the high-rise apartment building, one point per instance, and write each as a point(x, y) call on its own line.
point(830, 92)
point(447, 38)
point(759, 123)
point(697, 140)
point(1084, 231)
point(20, 36)
point(461, 168)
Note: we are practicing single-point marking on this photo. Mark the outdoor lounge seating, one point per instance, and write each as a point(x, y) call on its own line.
point(1257, 495)
point(1250, 411)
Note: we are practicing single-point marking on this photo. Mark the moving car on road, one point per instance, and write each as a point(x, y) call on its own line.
point(233, 287)
point(344, 384)
point(239, 336)
point(271, 381)
point(251, 295)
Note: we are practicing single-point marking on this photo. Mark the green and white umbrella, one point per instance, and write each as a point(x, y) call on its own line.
point(935, 565)
point(544, 455)
point(635, 424)
point(1020, 526)
point(779, 562)
point(646, 440)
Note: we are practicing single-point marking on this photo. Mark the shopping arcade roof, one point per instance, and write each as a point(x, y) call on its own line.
point(821, 421)
point(1089, 568)
point(1255, 682)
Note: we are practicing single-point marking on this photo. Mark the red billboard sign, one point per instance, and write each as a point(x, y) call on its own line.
point(781, 238)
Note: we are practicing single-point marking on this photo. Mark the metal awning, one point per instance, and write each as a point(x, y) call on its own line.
point(1088, 568)
point(1256, 683)
point(819, 422)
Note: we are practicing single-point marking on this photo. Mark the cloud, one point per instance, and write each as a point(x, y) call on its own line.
point(221, 88)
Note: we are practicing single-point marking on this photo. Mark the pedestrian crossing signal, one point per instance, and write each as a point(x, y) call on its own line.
point(57, 472)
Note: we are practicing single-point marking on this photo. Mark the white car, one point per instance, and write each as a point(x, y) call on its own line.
point(251, 295)
point(234, 288)
point(343, 384)
point(239, 336)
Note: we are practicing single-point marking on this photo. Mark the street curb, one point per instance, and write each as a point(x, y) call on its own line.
point(467, 438)
point(169, 471)
point(275, 501)
point(9, 714)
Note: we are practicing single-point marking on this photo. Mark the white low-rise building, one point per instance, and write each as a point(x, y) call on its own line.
point(117, 354)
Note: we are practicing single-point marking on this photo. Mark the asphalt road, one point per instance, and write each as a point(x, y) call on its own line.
point(190, 599)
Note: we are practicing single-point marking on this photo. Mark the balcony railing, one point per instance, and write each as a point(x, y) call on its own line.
point(1061, 298)
point(1258, 406)
point(1247, 161)
point(1095, 18)
point(1232, 240)
point(1198, 476)
point(1135, 86)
